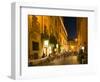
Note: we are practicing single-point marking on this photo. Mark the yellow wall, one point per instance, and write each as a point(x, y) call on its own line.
point(82, 31)
point(53, 26)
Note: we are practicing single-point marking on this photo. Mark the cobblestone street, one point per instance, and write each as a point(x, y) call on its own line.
point(63, 60)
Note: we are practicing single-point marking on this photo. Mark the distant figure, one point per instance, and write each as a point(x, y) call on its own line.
point(80, 56)
point(43, 55)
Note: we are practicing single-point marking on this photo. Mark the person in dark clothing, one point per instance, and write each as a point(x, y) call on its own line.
point(43, 55)
point(80, 56)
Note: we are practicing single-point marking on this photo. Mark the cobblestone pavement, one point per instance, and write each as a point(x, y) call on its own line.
point(65, 60)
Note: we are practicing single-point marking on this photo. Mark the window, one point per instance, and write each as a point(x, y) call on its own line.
point(35, 45)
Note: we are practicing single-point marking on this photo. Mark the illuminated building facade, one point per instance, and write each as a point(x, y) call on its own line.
point(82, 31)
point(46, 35)
point(82, 35)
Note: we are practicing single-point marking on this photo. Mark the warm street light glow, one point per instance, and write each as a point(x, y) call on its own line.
point(57, 40)
point(46, 43)
point(56, 45)
point(76, 40)
point(82, 48)
point(55, 49)
point(72, 47)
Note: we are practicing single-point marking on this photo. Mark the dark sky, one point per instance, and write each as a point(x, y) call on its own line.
point(70, 25)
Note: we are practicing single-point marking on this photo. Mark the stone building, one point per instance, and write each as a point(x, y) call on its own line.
point(46, 35)
point(82, 32)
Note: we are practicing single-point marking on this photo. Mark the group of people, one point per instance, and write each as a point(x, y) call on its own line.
point(82, 55)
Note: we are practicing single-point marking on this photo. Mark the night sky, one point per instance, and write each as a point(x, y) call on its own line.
point(70, 25)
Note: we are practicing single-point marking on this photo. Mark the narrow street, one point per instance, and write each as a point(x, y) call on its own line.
point(65, 60)
point(57, 40)
point(57, 60)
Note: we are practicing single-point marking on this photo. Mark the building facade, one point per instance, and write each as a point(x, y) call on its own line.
point(82, 32)
point(46, 35)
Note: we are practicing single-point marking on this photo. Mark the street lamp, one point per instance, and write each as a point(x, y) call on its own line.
point(82, 48)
